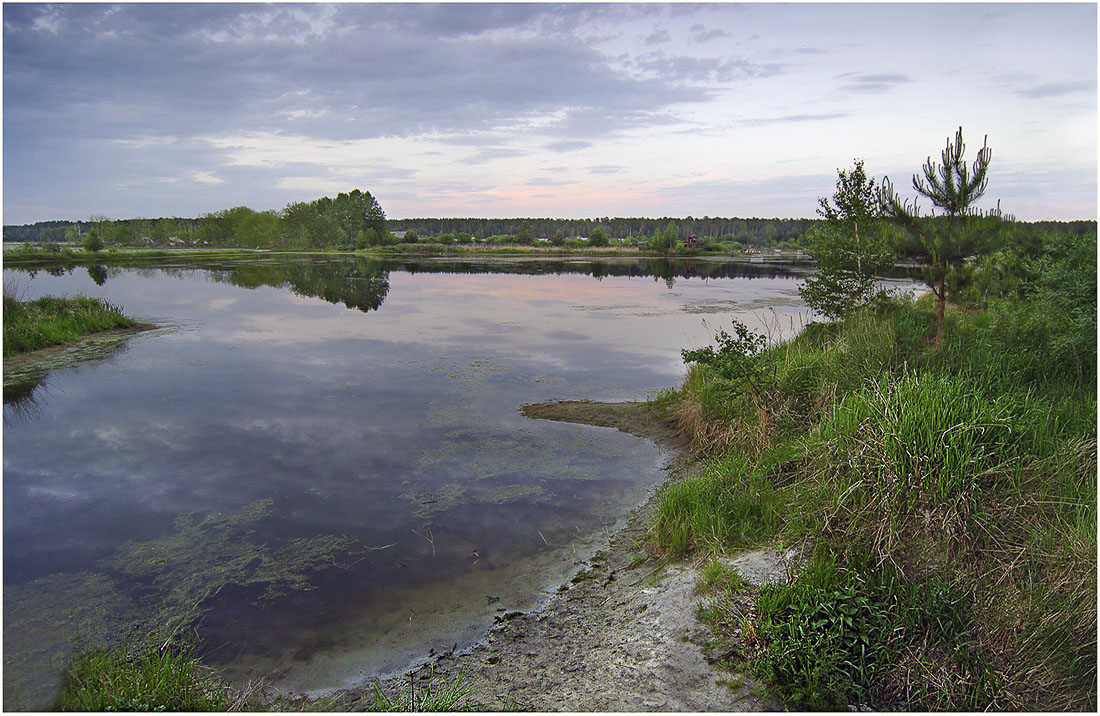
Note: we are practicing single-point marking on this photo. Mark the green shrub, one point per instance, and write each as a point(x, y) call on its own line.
point(823, 641)
point(836, 637)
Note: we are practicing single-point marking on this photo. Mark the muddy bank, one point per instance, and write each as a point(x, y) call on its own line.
point(642, 419)
point(620, 635)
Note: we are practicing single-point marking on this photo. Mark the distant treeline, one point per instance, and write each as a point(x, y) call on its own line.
point(750, 232)
point(328, 225)
point(356, 220)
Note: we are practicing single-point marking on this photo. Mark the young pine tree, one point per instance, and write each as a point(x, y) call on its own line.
point(944, 242)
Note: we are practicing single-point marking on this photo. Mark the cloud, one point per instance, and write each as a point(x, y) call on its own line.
point(1057, 89)
point(49, 20)
point(492, 154)
point(206, 178)
point(568, 145)
point(302, 95)
point(872, 83)
point(547, 181)
point(191, 69)
point(277, 100)
point(754, 197)
point(700, 33)
point(657, 37)
point(313, 185)
point(791, 118)
point(684, 68)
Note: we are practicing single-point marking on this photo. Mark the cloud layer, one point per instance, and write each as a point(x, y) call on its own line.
point(180, 109)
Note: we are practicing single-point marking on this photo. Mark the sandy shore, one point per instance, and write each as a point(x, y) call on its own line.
point(621, 635)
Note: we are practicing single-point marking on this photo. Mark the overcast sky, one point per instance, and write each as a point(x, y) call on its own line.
point(501, 110)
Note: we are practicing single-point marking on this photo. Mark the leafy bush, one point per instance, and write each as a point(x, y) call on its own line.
point(823, 641)
point(92, 242)
point(735, 358)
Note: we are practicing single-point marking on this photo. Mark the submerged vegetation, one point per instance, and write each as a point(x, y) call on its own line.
point(943, 494)
point(49, 321)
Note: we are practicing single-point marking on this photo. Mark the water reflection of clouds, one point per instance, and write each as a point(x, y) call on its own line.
point(292, 329)
point(335, 413)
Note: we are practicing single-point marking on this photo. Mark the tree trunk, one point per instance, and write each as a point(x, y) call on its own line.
point(941, 301)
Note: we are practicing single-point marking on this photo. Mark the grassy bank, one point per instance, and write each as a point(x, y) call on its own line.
point(944, 497)
point(70, 255)
point(48, 321)
point(151, 675)
point(507, 250)
point(54, 254)
point(166, 677)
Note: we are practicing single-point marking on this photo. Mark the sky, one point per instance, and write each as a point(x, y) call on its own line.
point(538, 110)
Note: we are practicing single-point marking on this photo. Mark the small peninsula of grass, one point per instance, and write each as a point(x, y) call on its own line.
point(50, 321)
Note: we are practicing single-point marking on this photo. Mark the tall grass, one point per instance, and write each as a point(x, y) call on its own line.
point(428, 697)
point(730, 505)
point(47, 321)
point(149, 678)
point(945, 496)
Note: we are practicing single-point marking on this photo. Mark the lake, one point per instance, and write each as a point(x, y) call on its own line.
point(320, 462)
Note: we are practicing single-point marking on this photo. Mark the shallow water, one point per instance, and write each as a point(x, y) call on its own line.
point(320, 461)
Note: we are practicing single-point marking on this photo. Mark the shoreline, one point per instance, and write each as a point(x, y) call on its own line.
point(17, 360)
point(621, 634)
point(25, 372)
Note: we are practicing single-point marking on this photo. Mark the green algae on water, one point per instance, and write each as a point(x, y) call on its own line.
point(431, 502)
point(209, 552)
point(47, 621)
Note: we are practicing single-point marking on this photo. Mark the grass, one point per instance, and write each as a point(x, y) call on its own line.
point(48, 321)
point(169, 676)
point(730, 505)
point(430, 696)
point(944, 496)
point(51, 254)
point(149, 678)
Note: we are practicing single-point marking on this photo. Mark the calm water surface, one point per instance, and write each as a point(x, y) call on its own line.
point(321, 462)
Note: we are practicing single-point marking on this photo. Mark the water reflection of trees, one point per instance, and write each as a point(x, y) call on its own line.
point(657, 268)
point(356, 283)
point(363, 283)
point(98, 274)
